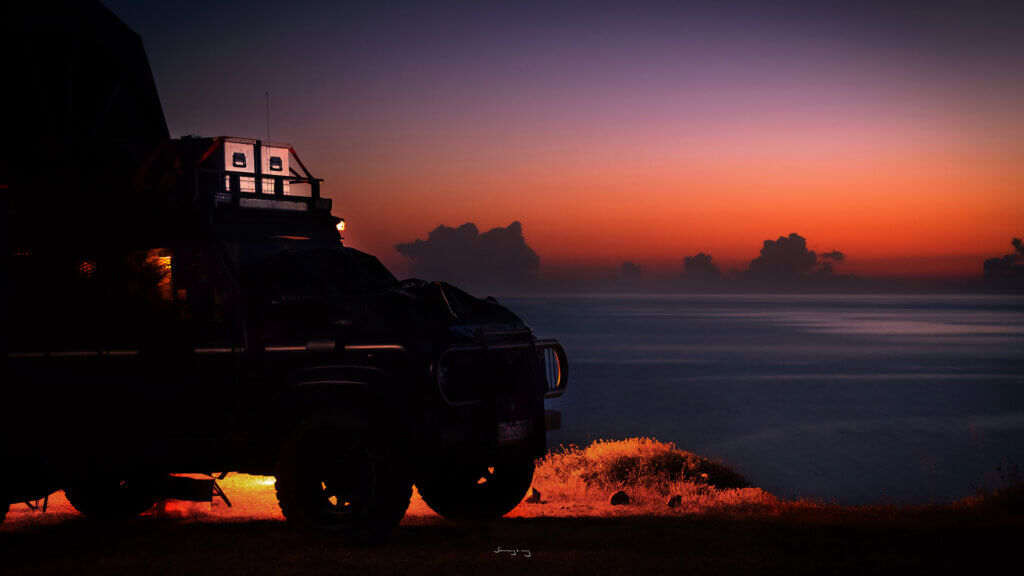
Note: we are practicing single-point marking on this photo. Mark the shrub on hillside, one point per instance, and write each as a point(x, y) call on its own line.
point(637, 463)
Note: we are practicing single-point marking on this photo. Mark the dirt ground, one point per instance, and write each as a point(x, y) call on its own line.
point(251, 538)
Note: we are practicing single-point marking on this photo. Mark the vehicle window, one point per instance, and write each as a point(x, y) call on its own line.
point(275, 163)
point(117, 300)
point(238, 160)
point(53, 300)
point(316, 273)
point(202, 289)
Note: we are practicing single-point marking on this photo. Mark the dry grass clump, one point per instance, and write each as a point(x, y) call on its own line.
point(1007, 496)
point(649, 471)
point(1007, 499)
point(638, 462)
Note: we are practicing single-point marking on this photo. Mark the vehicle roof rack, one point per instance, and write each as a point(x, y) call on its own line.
point(249, 173)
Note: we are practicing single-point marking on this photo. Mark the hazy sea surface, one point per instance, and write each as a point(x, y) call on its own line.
point(856, 399)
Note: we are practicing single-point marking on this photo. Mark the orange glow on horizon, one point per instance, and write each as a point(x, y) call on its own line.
point(910, 176)
point(919, 212)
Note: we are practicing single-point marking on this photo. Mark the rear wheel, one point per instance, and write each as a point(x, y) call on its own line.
point(111, 498)
point(334, 477)
point(477, 492)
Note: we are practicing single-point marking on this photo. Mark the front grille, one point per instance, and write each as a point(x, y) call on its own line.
point(474, 375)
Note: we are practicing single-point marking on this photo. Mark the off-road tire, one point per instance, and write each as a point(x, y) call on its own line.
point(459, 493)
point(327, 456)
point(112, 498)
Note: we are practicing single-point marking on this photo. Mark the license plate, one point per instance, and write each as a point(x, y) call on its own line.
point(512, 431)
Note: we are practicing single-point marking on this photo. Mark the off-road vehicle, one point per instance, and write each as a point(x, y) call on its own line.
point(188, 305)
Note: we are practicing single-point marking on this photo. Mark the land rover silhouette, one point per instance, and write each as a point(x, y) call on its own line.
point(188, 305)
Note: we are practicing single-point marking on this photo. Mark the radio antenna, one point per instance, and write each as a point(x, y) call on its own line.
point(267, 94)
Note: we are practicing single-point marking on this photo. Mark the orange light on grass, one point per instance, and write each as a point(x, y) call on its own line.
point(161, 261)
point(87, 268)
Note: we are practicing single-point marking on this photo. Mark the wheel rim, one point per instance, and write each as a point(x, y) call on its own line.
point(457, 490)
point(486, 476)
point(340, 480)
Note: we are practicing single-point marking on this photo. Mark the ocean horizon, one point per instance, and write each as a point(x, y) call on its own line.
point(856, 399)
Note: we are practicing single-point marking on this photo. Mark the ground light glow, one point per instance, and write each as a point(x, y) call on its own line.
point(571, 482)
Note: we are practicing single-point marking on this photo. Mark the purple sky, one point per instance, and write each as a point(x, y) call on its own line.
point(685, 126)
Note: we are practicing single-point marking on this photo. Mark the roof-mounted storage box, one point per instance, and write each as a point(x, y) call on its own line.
point(251, 158)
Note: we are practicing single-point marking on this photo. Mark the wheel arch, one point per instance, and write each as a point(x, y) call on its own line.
point(346, 389)
point(369, 395)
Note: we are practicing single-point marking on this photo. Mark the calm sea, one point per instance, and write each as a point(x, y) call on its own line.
point(854, 399)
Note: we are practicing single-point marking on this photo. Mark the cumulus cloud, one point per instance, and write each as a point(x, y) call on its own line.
point(631, 271)
point(629, 277)
point(700, 267)
point(784, 259)
point(701, 273)
point(1007, 272)
point(787, 261)
point(463, 256)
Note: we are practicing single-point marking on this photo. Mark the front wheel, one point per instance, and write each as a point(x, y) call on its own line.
point(335, 477)
point(477, 491)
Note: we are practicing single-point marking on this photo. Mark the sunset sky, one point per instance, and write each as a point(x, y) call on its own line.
point(643, 131)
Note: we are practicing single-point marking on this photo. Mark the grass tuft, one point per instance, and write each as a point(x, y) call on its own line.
point(649, 471)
